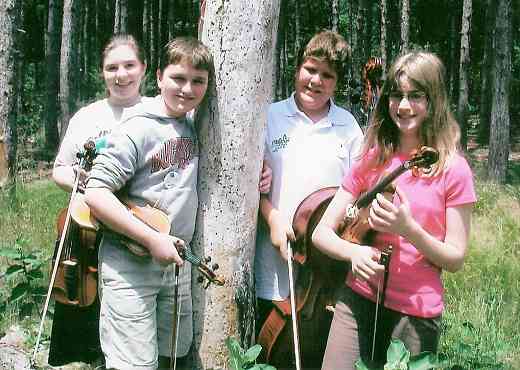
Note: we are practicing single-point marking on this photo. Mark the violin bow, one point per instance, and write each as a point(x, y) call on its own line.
point(293, 306)
point(176, 320)
point(55, 267)
point(386, 254)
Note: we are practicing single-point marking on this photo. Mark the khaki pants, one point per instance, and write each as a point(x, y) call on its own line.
point(137, 296)
point(351, 333)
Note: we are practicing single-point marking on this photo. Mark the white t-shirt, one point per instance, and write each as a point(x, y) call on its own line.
point(304, 157)
point(91, 122)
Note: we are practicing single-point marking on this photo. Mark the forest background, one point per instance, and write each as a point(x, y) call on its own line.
point(55, 65)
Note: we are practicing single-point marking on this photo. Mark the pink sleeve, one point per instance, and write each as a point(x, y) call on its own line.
point(354, 182)
point(460, 188)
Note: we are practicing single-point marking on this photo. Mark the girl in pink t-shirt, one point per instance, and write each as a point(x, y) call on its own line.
point(427, 223)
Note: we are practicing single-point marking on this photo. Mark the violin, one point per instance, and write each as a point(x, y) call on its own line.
point(75, 281)
point(319, 275)
point(157, 220)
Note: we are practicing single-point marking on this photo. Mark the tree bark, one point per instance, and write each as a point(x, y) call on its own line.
point(384, 56)
point(405, 26)
point(462, 106)
point(231, 139)
point(486, 94)
point(52, 74)
point(499, 138)
point(334, 19)
point(69, 80)
point(10, 54)
point(121, 17)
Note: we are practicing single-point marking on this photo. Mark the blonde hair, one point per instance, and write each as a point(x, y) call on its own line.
point(439, 130)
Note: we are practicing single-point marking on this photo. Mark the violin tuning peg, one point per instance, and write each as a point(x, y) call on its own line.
point(207, 259)
point(215, 267)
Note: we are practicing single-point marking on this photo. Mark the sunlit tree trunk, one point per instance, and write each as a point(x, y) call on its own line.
point(334, 19)
point(69, 67)
point(241, 35)
point(10, 55)
point(462, 107)
point(121, 17)
point(499, 138)
point(405, 26)
point(384, 25)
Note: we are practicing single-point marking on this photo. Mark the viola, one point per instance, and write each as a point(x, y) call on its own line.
point(319, 275)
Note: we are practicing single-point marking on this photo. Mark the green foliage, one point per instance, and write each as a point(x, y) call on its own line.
point(24, 275)
point(481, 329)
point(399, 358)
point(240, 359)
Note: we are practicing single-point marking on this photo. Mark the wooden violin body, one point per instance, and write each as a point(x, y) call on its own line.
point(320, 275)
point(76, 279)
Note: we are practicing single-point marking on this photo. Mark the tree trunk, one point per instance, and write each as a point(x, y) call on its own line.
point(334, 19)
point(486, 94)
point(121, 17)
point(499, 139)
point(384, 25)
point(231, 142)
point(10, 54)
point(69, 80)
point(405, 26)
point(462, 107)
point(52, 74)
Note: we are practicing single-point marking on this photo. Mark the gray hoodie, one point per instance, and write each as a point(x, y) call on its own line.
point(152, 159)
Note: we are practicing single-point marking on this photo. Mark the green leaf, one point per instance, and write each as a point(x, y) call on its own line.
point(39, 291)
point(423, 361)
point(235, 353)
point(13, 270)
point(360, 365)
point(262, 367)
point(19, 292)
point(35, 274)
point(252, 353)
point(397, 352)
point(13, 254)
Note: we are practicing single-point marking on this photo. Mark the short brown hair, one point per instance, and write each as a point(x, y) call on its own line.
point(330, 47)
point(187, 49)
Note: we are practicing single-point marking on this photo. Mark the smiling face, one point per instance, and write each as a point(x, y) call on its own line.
point(408, 108)
point(315, 85)
point(123, 73)
point(182, 87)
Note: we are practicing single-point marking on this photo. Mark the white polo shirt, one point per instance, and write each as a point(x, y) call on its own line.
point(304, 157)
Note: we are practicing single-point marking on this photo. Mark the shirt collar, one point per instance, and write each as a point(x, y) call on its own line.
point(333, 118)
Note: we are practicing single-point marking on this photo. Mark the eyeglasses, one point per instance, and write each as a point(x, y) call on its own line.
point(413, 97)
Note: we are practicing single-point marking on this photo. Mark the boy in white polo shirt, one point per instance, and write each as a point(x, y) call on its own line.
point(310, 144)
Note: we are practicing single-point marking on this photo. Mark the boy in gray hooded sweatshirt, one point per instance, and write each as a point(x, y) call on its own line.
point(152, 159)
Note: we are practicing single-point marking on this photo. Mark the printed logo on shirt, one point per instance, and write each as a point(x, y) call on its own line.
point(175, 153)
point(279, 143)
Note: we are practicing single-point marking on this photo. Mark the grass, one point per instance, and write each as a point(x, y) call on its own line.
point(481, 326)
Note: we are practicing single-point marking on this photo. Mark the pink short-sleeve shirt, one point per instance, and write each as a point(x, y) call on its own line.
point(414, 284)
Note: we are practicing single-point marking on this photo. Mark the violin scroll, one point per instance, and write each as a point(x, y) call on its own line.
point(423, 160)
point(208, 275)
